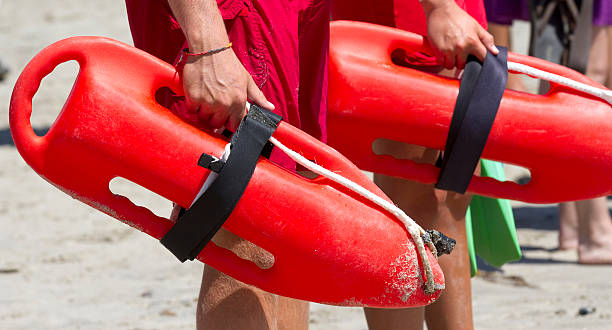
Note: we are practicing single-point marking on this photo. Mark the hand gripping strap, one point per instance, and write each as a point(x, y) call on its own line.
point(480, 94)
point(196, 227)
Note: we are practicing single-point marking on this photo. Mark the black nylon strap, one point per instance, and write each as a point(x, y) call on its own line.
point(196, 227)
point(212, 163)
point(480, 93)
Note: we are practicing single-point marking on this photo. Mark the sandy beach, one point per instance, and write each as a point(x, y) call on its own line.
point(64, 265)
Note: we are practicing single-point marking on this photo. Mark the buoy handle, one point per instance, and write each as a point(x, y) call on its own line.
point(428, 174)
point(27, 142)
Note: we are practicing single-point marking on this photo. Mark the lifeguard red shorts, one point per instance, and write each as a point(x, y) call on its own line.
point(282, 44)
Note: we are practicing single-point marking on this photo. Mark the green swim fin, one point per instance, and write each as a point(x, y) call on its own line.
point(490, 225)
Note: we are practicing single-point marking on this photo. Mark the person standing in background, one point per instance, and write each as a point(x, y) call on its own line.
point(583, 225)
point(453, 34)
point(500, 15)
point(587, 225)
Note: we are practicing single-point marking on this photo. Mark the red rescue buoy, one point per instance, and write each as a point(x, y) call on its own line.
point(564, 137)
point(329, 244)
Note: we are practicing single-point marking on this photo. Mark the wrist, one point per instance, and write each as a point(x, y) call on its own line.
point(202, 45)
point(204, 37)
point(186, 51)
point(430, 5)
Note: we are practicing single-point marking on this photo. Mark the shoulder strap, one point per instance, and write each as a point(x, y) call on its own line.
point(196, 227)
point(480, 93)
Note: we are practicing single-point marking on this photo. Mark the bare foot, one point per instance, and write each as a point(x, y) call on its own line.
point(595, 232)
point(596, 253)
point(596, 248)
point(568, 239)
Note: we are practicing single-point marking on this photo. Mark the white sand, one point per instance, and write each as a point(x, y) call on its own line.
point(64, 265)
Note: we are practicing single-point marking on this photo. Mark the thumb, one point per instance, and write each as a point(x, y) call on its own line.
point(255, 95)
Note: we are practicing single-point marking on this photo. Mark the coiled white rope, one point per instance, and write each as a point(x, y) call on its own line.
point(412, 227)
point(604, 94)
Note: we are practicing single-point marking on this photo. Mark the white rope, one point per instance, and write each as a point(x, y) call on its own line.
point(412, 227)
point(604, 94)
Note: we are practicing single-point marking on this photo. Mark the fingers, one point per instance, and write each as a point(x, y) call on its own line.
point(218, 120)
point(487, 40)
point(436, 52)
point(445, 58)
point(235, 115)
point(219, 99)
point(477, 49)
point(191, 106)
point(236, 111)
point(449, 60)
point(455, 56)
point(255, 95)
point(461, 60)
point(233, 122)
point(215, 114)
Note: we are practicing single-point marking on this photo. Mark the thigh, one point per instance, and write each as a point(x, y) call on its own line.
point(444, 211)
point(422, 202)
point(226, 303)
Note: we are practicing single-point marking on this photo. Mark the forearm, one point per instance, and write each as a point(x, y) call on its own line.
point(201, 22)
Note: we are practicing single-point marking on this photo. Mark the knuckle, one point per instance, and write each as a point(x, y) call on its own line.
point(203, 99)
point(472, 41)
point(461, 45)
point(195, 94)
point(224, 102)
point(488, 38)
point(241, 99)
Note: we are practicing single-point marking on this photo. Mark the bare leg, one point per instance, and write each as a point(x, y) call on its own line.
point(595, 232)
point(389, 319)
point(501, 33)
point(594, 222)
point(568, 226)
point(598, 67)
point(439, 210)
point(454, 308)
point(226, 303)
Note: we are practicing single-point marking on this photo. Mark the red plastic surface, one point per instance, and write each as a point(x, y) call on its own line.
point(564, 137)
point(329, 245)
